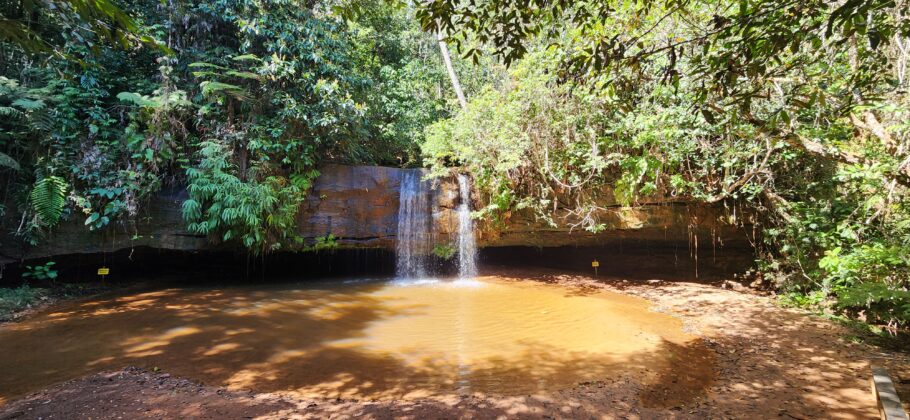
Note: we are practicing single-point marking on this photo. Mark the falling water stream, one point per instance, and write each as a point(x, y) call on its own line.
point(467, 248)
point(414, 226)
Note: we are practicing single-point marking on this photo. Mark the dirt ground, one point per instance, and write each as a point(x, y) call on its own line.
point(768, 362)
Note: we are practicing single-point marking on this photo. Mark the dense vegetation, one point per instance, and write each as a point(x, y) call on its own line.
point(793, 114)
point(239, 100)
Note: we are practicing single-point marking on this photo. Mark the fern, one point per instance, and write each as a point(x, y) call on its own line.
point(11, 113)
point(19, 34)
point(258, 213)
point(218, 75)
point(47, 199)
point(7, 161)
point(29, 104)
point(246, 57)
point(137, 99)
point(41, 120)
point(210, 88)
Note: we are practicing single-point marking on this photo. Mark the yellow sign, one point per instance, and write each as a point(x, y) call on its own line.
point(595, 263)
point(103, 271)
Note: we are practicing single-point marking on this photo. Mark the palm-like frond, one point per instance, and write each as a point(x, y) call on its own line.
point(9, 112)
point(16, 33)
point(42, 119)
point(29, 104)
point(210, 88)
point(102, 17)
point(137, 99)
point(47, 199)
point(9, 162)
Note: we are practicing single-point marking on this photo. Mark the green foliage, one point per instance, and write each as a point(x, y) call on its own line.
point(210, 88)
point(322, 243)
point(890, 265)
point(25, 112)
point(723, 45)
point(538, 146)
point(878, 303)
point(41, 272)
point(259, 214)
point(16, 299)
point(804, 300)
point(47, 199)
point(444, 251)
point(83, 19)
point(282, 86)
point(9, 162)
point(793, 114)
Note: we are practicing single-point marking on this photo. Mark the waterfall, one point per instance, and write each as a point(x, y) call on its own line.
point(467, 248)
point(414, 226)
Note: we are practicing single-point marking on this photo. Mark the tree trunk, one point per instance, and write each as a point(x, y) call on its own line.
point(448, 61)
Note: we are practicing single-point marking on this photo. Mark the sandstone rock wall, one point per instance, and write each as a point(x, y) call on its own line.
point(359, 206)
point(159, 226)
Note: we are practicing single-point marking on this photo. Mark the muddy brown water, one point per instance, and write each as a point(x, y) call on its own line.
point(362, 339)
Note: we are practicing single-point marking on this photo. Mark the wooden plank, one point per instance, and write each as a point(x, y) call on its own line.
point(889, 405)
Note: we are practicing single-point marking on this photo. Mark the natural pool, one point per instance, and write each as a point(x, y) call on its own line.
point(359, 338)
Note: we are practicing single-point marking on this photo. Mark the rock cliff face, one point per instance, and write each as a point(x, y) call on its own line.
point(359, 206)
point(160, 225)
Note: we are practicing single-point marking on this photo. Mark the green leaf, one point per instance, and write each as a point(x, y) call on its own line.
point(207, 65)
point(210, 88)
point(29, 104)
point(137, 99)
point(7, 161)
point(247, 57)
point(48, 198)
point(91, 219)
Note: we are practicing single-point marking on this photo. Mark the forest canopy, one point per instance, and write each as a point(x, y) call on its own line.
point(793, 114)
point(795, 111)
point(240, 101)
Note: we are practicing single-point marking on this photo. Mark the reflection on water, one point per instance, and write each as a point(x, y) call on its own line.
point(367, 339)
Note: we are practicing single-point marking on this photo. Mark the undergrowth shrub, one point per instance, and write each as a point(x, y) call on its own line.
point(258, 212)
point(16, 299)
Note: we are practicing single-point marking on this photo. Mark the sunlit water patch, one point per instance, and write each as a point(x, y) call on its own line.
point(365, 339)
